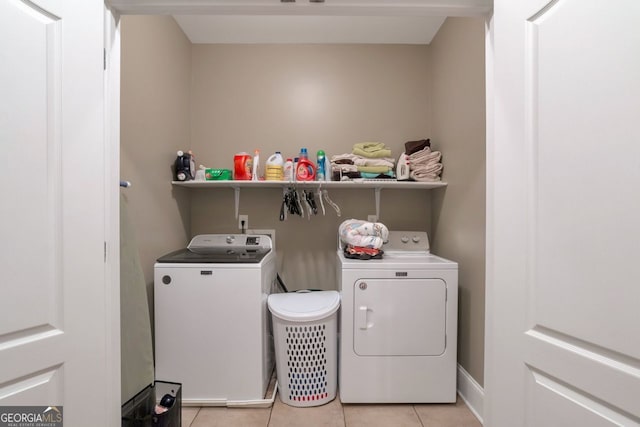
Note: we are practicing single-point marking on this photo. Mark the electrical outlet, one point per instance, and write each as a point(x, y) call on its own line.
point(270, 233)
point(243, 222)
point(372, 218)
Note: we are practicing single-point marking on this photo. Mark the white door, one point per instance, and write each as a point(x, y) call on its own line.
point(57, 306)
point(563, 285)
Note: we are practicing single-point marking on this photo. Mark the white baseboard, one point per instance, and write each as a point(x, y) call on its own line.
point(471, 392)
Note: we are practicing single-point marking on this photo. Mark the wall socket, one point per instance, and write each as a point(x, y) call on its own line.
point(243, 219)
point(372, 218)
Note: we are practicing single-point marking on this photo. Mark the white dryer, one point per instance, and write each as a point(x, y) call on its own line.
point(398, 339)
point(211, 319)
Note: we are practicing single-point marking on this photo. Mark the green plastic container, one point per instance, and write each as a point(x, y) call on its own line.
point(217, 174)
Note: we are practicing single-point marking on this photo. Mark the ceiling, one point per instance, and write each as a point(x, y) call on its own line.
point(305, 21)
point(309, 29)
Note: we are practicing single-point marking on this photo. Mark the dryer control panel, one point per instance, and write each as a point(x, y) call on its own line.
point(407, 241)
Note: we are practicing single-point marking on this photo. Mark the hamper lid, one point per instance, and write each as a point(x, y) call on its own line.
point(304, 306)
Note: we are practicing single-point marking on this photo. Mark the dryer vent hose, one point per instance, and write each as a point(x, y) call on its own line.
point(281, 283)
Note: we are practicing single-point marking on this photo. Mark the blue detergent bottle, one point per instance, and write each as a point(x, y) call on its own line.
point(321, 172)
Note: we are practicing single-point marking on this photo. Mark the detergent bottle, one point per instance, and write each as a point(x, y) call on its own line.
point(305, 170)
point(242, 166)
point(321, 172)
point(274, 169)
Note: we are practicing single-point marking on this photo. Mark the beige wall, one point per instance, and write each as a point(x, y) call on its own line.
point(284, 97)
point(222, 99)
point(155, 111)
point(458, 92)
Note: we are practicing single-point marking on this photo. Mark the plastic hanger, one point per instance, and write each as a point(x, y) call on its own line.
point(325, 194)
point(320, 199)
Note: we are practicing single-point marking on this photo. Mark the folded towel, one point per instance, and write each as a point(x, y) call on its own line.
point(388, 175)
point(338, 175)
point(427, 173)
point(383, 161)
point(372, 150)
point(344, 158)
point(342, 162)
point(424, 178)
point(350, 158)
point(411, 147)
point(370, 147)
point(430, 168)
point(424, 156)
point(344, 167)
point(374, 169)
point(372, 155)
point(340, 172)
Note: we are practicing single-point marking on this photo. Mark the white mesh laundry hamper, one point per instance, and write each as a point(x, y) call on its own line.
point(305, 326)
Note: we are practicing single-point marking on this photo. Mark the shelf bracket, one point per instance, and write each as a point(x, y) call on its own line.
point(236, 190)
point(377, 194)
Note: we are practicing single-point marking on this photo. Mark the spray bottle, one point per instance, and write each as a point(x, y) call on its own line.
point(256, 165)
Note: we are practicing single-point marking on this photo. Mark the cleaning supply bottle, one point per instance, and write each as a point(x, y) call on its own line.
point(274, 167)
point(321, 171)
point(305, 170)
point(242, 166)
point(288, 170)
point(256, 165)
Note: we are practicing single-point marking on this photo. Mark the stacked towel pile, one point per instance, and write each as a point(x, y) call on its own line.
point(367, 160)
point(424, 164)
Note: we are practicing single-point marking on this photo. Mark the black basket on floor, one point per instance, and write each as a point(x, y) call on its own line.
point(139, 411)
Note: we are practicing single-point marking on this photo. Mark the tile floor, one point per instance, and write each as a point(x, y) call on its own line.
point(335, 414)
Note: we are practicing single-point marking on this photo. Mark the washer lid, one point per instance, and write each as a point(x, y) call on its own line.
point(304, 306)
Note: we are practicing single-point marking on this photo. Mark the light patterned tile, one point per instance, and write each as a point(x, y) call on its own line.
point(373, 415)
point(232, 417)
point(328, 415)
point(447, 415)
point(188, 415)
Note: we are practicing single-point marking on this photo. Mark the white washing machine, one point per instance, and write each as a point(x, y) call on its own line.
point(398, 322)
point(211, 319)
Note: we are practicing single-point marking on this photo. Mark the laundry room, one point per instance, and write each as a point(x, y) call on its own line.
point(184, 88)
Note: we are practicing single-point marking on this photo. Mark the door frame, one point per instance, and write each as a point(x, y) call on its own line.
point(489, 223)
point(474, 395)
point(112, 210)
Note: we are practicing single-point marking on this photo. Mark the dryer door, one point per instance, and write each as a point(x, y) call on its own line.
point(399, 317)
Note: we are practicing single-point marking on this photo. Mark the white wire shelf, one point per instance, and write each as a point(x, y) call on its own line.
point(404, 185)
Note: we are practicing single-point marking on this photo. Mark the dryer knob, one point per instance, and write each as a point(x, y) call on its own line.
point(230, 239)
point(415, 239)
point(404, 239)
